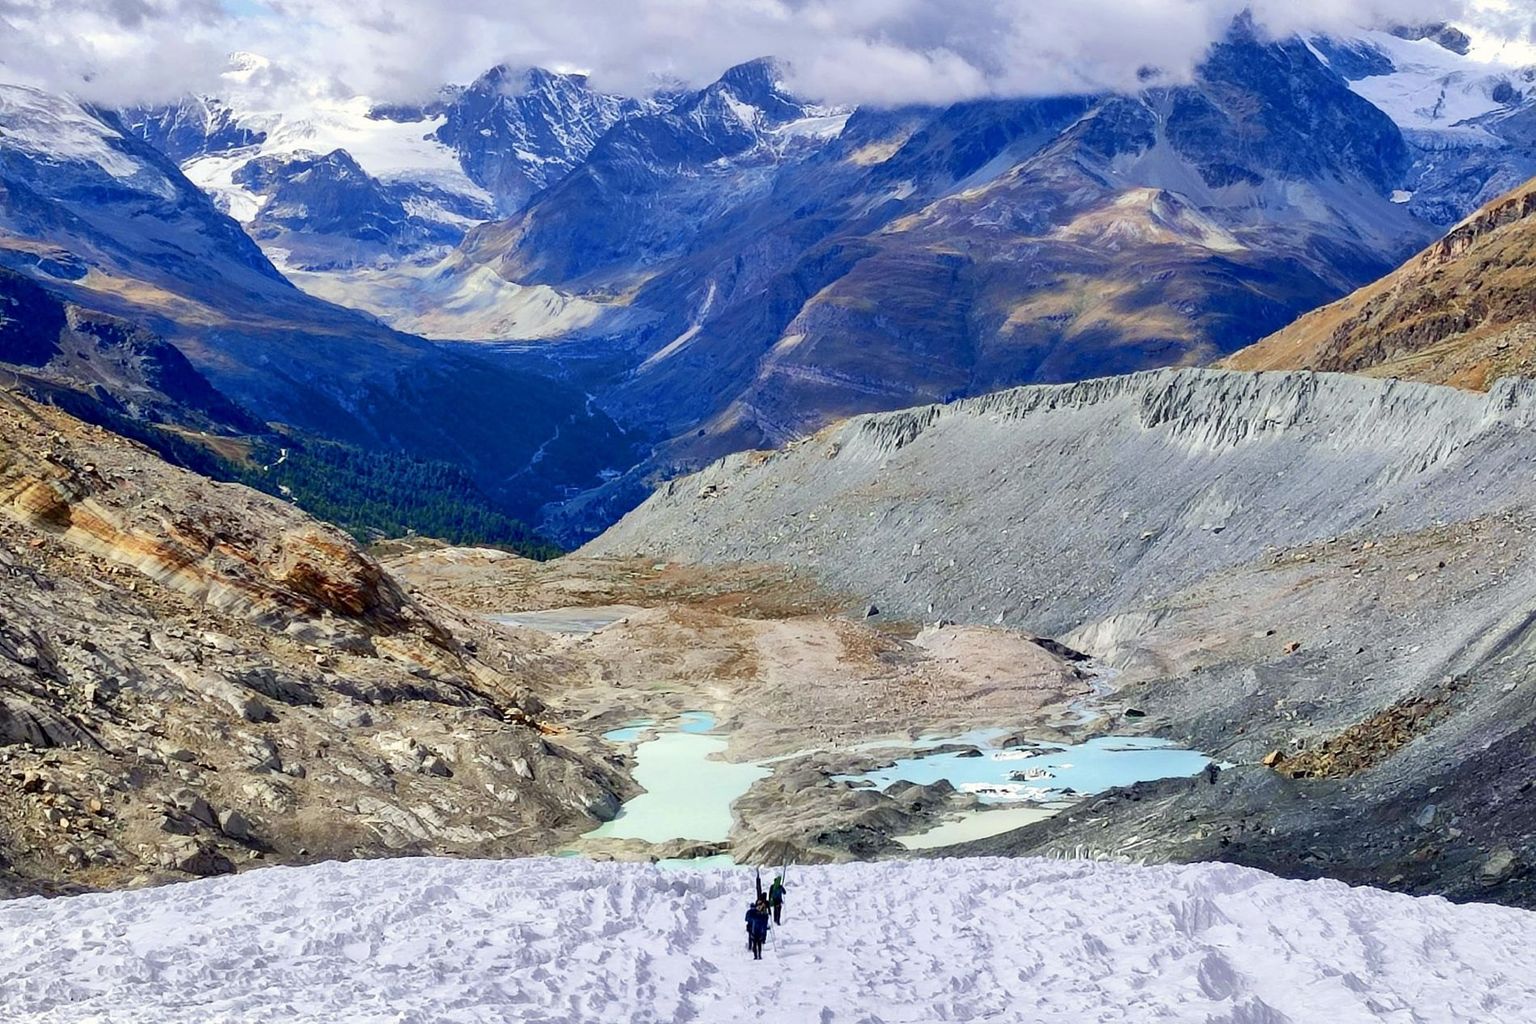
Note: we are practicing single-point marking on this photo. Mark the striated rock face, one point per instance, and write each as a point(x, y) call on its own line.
point(1044, 507)
point(1461, 312)
point(230, 549)
point(194, 677)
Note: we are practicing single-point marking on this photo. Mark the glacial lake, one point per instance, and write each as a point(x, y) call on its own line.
point(689, 787)
point(1039, 772)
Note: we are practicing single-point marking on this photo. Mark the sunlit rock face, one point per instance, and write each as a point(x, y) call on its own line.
point(195, 677)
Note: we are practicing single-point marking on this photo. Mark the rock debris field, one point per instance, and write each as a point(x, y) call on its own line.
point(540, 941)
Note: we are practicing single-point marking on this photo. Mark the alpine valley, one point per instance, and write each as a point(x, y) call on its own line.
point(1140, 475)
point(665, 280)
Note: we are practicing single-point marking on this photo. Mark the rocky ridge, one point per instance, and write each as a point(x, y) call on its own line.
point(1094, 494)
point(194, 676)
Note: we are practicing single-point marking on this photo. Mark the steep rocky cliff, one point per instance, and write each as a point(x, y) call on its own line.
point(194, 676)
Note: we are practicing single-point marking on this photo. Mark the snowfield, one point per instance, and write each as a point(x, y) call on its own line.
point(545, 941)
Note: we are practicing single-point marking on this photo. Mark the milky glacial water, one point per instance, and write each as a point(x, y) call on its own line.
point(690, 787)
point(1057, 771)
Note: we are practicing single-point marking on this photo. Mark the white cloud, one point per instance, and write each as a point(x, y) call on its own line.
point(104, 49)
point(850, 51)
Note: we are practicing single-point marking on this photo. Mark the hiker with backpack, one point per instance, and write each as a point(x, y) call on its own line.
point(757, 926)
point(776, 897)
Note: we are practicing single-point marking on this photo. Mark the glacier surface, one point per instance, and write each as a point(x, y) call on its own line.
point(428, 941)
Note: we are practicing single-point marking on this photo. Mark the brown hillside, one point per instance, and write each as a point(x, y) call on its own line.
point(1462, 312)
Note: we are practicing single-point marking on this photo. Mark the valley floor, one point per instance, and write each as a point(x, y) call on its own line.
point(795, 676)
point(427, 941)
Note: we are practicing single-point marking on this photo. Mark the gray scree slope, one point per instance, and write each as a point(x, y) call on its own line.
point(1047, 507)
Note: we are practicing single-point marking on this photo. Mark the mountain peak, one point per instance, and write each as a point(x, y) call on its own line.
point(757, 85)
point(512, 81)
point(760, 79)
point(510, 112)
point(1448, 36)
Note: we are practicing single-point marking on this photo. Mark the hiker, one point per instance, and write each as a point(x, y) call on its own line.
point(776, 897)
point(757, 927)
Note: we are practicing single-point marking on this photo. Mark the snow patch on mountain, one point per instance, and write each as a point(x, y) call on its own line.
point(1464, 110)
point(1432, 89)
point(820, 125)
point(394, 152)
point(53, 130)
point(456, 942)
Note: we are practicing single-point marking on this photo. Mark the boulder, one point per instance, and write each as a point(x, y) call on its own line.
point(235, 825)
point(1501, 866)
point(197, 858)
point(176, 825)
point(194, 805)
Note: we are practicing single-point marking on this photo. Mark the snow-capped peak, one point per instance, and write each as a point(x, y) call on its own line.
point(54, 129)
point(243, 62)
point(1422, 83)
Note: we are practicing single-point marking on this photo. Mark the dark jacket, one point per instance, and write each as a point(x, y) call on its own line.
point(757, 922)
point(776, 894)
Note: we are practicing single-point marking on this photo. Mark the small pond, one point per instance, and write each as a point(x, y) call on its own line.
point(1021, 784)
point(1039, 773)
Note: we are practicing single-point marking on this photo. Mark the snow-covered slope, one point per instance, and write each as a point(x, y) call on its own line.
point(1466, 107)
point(253, 120)
point(1426, 87)
point(1065, 942)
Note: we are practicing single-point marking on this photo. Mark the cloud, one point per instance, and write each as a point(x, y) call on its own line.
point(844, 51)
point(105, 49)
